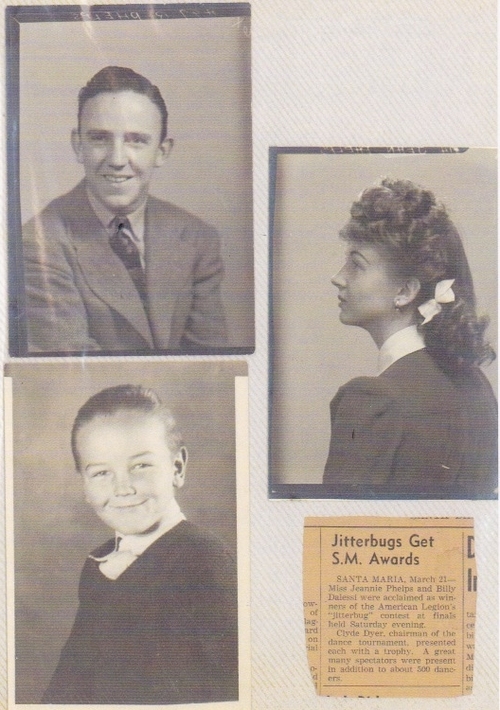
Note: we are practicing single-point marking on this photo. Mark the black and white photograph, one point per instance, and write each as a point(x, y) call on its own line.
point(130, 180)
point(384, 323)
point(128, 562)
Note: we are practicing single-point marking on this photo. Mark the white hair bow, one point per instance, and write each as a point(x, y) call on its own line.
point(443, 293)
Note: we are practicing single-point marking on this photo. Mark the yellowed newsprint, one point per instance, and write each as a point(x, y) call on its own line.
point(389, 606)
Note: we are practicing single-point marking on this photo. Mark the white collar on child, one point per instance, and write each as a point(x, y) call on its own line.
point(129, 547)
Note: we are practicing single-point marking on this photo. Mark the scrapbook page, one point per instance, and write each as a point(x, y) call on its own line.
point(215, 494)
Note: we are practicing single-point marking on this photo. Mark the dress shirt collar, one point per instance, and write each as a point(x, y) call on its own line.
point(136, 219)
point(138, 543)
point(405, 341)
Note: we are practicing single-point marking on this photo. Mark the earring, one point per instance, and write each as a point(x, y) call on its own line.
point(397, 305)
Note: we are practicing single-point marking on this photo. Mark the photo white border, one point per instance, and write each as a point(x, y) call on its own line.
point(243, 562)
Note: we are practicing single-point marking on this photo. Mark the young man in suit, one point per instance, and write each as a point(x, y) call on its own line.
point(157, 616)
point(107, 266)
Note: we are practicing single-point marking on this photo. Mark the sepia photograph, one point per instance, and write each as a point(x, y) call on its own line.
point(130, 180)
point(384, 323)
point(126, 557)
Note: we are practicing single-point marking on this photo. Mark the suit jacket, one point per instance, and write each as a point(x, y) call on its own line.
point(80, 297)
point(164, 632)
point(414, 430)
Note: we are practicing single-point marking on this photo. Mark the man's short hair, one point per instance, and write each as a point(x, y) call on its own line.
point(115, 79)
point(122, 398)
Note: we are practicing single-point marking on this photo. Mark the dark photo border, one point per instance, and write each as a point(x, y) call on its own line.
point(243, 341)
point(281, 490)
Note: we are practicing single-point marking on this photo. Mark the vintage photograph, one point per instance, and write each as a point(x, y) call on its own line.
point(130, 180)
point(124, 559)
point(383, 323)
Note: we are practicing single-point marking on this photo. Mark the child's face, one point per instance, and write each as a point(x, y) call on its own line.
point(129, 473)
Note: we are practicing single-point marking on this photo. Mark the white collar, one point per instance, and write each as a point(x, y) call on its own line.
point(403, 342)
point(138, 543)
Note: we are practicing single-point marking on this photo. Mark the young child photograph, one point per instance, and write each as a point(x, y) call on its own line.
point(157, 615)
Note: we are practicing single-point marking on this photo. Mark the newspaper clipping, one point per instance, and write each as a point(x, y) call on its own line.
point(389, 606)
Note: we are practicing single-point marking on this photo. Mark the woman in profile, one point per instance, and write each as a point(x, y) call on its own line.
point(427, 425)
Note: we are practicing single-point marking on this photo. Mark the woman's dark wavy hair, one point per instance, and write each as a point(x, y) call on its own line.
point(422, 242)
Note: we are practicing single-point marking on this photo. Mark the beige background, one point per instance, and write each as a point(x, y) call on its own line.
point(202, 68)
point(313, 352)
point(351, 72)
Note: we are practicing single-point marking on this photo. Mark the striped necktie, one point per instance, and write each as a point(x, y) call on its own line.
point(122, 243)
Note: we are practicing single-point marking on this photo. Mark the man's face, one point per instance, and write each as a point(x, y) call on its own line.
point(129, 473)
point(118, 146)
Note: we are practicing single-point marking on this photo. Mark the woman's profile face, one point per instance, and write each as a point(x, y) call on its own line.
point(368, 288)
